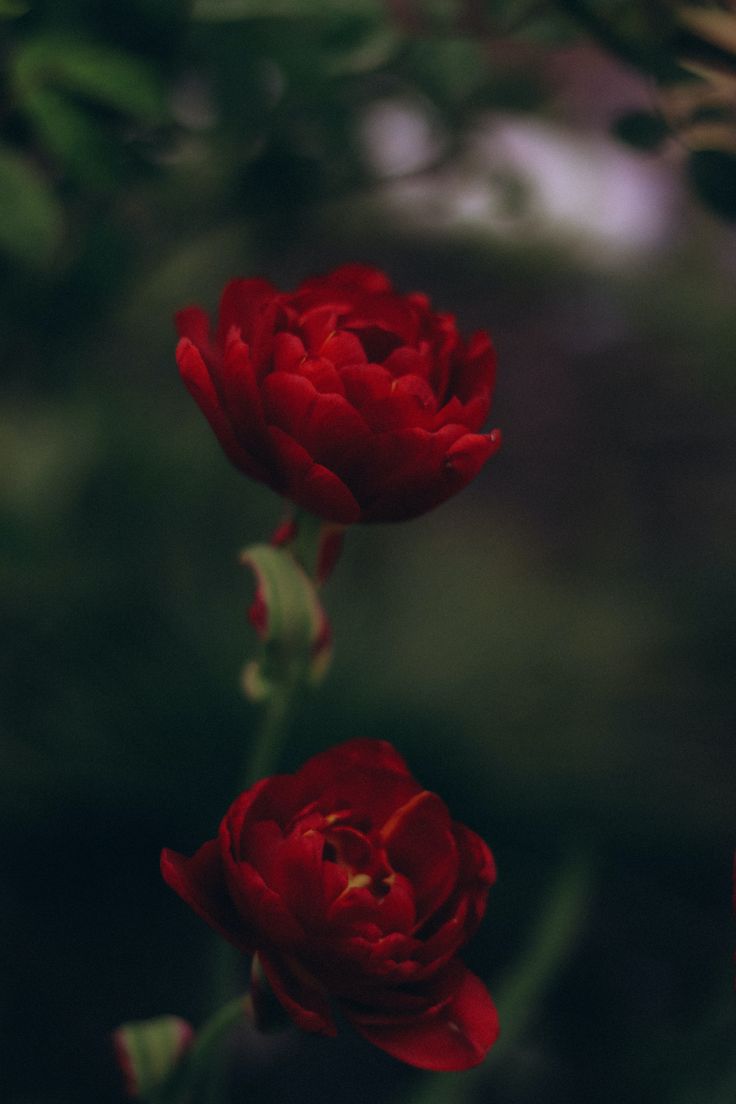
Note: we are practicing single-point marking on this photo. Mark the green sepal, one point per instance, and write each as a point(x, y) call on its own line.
point(290, 620)
point(148, 1051)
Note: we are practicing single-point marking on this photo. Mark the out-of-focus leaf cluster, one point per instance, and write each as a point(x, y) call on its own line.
point(258, 107)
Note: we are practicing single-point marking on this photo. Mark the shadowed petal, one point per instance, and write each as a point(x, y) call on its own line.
point(419, 469)
point(325, 424)
point(199, 383)
point(455, 1034)
point(420, 845)
point(193, 323)
point(241, 306)
point(299, 993)
point(200, 882)
point(241, 397)
point(368, 777)
point(312, 485)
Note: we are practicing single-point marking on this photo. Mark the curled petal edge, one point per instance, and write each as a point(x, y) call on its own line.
point(455, 1035)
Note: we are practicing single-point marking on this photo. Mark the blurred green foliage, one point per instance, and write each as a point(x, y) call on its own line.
point(553, 650)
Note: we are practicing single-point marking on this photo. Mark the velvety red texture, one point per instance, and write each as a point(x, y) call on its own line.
point(356, 403)
point(356, 890)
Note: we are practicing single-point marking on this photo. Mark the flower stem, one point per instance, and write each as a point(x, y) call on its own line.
point(272, 732)
point(197, 1066)
point(204, 1070)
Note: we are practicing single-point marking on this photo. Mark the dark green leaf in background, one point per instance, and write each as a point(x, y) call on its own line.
point(90, 71)
point(31, 221)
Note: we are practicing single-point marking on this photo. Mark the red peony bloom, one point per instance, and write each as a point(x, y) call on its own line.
point(355, 889)
point(356, 403)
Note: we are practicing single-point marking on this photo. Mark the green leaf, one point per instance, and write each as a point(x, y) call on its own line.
point(73, 139)
point(641, 129)
point(149, 1050)
point(32, 222)
point(713, 175)
point(290, 621)
point(87, 69)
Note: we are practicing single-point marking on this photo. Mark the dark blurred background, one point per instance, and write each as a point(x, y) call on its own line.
point(552, 650)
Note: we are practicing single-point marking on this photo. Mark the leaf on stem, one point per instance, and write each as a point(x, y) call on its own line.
point(148, 1051)
point(290, 621)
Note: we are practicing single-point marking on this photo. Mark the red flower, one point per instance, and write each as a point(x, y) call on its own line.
point(356, 890)
point(356, 403)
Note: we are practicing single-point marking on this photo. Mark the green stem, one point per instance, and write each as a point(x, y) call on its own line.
point(307, 541)
point(199, 1061)
point(272, 732)
point(262, 760)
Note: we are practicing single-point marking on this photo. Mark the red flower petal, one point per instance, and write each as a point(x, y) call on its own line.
point(372, 970)
point(257, 902)
point(260, 906)
point(343, 349)
point(192, 322)
point(326, 425)
point(322, 873)
point(359, 275)
point(409, 361)
point(409, 403)
point(236, 383)
point(397, 364)
point(199, 383)
point(471, 384)
point(416, 470)
point(323, 375)
point(467, 455)
point(390, 313)
point(242, 305)
point(318, 321)
point(366, 384)
point(292, 866)
point(252, 307)
point(440, 332)
point(288, 352)
point(201, 883)
point(311, 485)
point(454, 1035)
point(420, 845)
point(367, 777)
point(277, 798)
point(300, 994)
point(477, 875)
point(362, 752)
point(395, 912)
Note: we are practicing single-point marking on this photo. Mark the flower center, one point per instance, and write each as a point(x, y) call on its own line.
point(362, 860)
